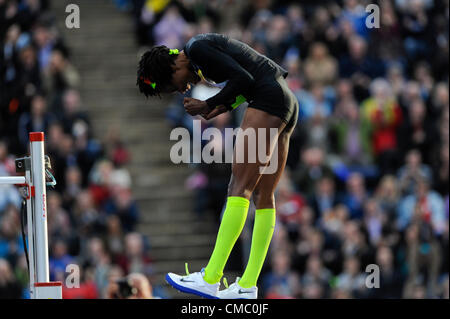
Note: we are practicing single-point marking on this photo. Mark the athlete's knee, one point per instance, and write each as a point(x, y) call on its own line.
point(256, 195)
point(264, 200)
point(239, 187)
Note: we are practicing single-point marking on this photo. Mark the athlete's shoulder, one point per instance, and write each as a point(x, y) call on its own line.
point(208, 36)
point(203, 39)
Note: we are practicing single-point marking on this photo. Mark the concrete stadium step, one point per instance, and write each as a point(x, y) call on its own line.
point(119, 115)
point(177, 228)
point(178, 191)
point(170, 215)
point(140, 166)
point(174, 253)
point(161, 241)
point(162, 194)
point(161, 210)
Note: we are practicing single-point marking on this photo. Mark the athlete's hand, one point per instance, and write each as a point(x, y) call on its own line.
point(216, 111)
point(194, 106)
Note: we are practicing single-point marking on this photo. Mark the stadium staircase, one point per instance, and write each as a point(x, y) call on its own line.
point(105, 52)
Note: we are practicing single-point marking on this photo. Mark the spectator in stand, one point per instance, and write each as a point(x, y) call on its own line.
point(38, 120)
point(11, 243)
point(441, 172)
point(58, 219)
point(416, 28)
point(115, 236)
point(86, 149)
point(396, 78)
point(277, 38)
point(350, 137)
point(316, 102)
point(87, 217)
point(9, 194)
point(352, 279)
point(135, 257)
point(59, 260)
point(73, 186)
point(320, 67)
point(358, 65)
point(417, 131)
point(383, 115)
point(353, 242)
point(315, 274)
point(45, 40)
point(100, 180)
point(356, 195)
point(97, 257)
point(7, 165)
point(310, 170)
point(71, 112)
point(439, 101)
point(59, 76)
point(30, 81)
point(333, 222)
point(281, 282)
point(121, 204)
point(289, 203)
point(387, 195)
point(412, 171)
point(391, 278)
point(423, 258)
point(389, 34)
point(170, 29)
point(374, 221)
point(87, 288)
point(141, 288)
point(324, 198)
point(10, 288)
point(424, 206)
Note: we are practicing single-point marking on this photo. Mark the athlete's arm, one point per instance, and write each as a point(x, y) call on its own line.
point(197, 107)
point(213, 61)
point(216, 111)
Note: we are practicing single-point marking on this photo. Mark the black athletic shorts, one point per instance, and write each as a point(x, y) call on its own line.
point(272, 95)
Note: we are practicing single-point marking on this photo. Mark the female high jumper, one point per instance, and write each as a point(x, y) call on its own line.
point(250, 77)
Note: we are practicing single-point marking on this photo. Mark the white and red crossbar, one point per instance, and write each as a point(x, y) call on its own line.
point(34, 181)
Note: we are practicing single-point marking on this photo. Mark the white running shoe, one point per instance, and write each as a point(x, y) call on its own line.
point(237, 292)
point(194, 284)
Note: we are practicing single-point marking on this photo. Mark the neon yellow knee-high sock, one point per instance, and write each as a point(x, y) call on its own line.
point(231, 226)
point(262, 235)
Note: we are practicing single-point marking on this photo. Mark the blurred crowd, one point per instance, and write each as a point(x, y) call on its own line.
point(367, 175)
point(368, 168)
point(92, 215)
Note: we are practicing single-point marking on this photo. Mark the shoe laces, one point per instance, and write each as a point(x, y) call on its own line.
point(186, 268)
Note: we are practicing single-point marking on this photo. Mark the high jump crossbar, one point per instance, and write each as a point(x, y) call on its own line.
point(34, 184)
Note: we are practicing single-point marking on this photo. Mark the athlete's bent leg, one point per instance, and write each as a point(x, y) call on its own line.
point(245, 177)
point(265, 216)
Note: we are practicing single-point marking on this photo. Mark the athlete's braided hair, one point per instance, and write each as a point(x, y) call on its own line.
point(155, 70)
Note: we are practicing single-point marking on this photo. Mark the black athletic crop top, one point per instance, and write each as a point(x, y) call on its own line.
point(219, 58)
